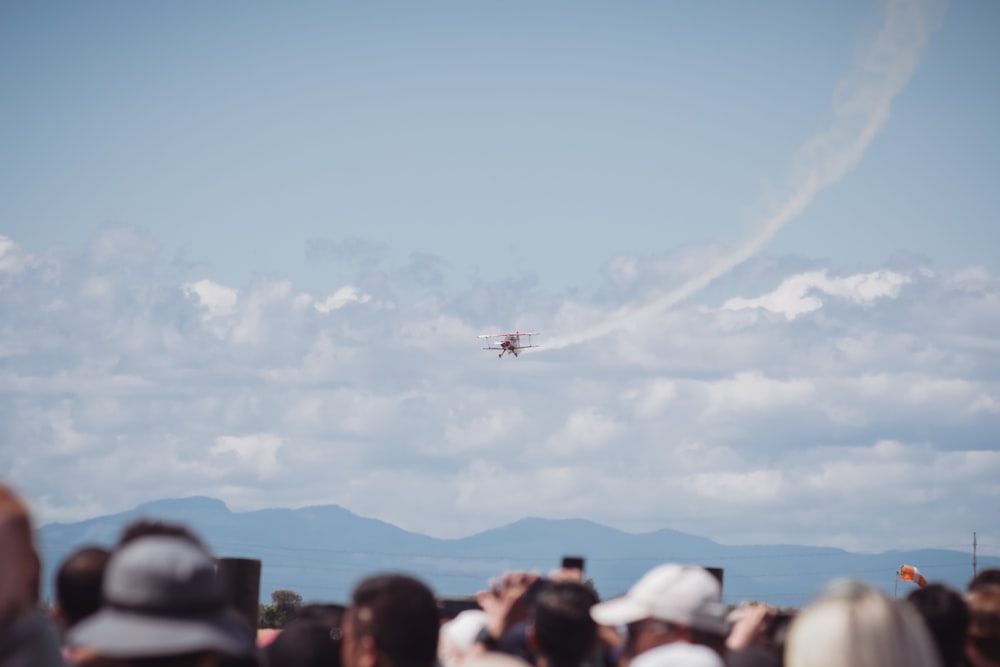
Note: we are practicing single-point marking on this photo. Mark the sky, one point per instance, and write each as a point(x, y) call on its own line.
point(246, 249)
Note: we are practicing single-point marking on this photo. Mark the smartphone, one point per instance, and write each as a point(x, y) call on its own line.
point(573, 563)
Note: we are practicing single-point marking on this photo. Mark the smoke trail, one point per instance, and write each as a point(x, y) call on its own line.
point(862, 101)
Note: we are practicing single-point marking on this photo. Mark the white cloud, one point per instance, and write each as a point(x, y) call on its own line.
point(13, 260)
point(623, 270)
point(753, 487)
point(653, 396)
point(796, 295)
point(482, 430)
point(216, 300)
point(985, 403)
point(66, 438)
point(118, 245)
point(262, 311)
point(342, 297)
point(258, 451)
point(753, 391)
point(583, 430)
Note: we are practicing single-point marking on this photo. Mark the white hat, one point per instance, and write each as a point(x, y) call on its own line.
point(688, 596)
point(678, 654)
point(461, 631)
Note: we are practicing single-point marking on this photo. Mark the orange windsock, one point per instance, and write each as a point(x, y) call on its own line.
point(910, 573)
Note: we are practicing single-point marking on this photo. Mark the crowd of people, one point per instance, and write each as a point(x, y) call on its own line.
point(155, 599)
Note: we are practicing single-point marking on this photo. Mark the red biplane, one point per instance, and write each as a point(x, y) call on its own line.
point(511, 343)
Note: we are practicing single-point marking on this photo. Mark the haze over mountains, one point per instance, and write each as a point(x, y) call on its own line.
point(321, 552)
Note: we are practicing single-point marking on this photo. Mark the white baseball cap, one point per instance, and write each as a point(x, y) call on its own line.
point(678, 654)
point(685, 595)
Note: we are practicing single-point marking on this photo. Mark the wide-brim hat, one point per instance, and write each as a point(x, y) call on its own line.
point(120, 633)
point(161, 597)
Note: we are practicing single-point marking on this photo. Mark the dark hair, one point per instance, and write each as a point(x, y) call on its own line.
point(947, 617)
point(564, 630)
point(712, 640)
point(327, 614)
point(78, 583)
point(144, 527)
point(988, 577)
point(400, 614)
point(984, 620)
point(303, 643)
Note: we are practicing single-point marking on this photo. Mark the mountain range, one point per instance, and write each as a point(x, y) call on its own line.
point(321, 552)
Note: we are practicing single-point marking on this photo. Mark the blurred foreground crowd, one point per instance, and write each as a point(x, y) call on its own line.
point(155, 600)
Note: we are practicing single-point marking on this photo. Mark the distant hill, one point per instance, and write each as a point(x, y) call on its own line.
point(321, 552)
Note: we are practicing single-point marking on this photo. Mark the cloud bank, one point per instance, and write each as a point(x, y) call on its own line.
point(850, 409)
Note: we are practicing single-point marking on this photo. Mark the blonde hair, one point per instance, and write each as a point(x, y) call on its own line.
point(853, 624)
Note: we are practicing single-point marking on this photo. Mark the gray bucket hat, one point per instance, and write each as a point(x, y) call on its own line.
point(161, 598)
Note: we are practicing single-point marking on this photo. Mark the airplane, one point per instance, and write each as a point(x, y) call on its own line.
point(509, 343)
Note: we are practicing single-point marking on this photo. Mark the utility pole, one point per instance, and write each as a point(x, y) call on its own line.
point(973, 553)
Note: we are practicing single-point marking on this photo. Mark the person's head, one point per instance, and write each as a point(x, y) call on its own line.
point(853, 624)
point(988, 577)
point(670, 603)
point(392, 622)
point(304, 643)
point(563, 630)
point(162, 604)
point(313, 639)
point(78, 585)
point(20, 568)
point(983, 647)
point(323, 613)
point(947, 617)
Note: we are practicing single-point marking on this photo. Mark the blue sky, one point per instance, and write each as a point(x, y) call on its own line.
point(246, 249)
point(503, 138)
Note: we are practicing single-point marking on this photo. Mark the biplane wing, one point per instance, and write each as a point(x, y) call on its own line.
point(508, 335)
point(508, 342)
